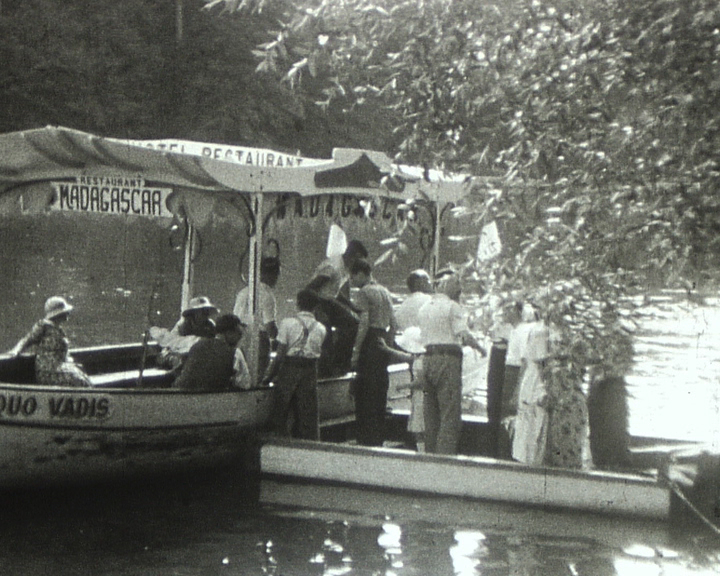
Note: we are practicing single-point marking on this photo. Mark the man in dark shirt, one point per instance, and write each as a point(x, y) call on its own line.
point(215, 364)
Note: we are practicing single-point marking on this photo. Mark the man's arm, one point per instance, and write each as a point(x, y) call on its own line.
point(272, 368)
point(360, 338)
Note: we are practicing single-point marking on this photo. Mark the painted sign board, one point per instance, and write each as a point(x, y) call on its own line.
point(120, 195)
point(236, 154)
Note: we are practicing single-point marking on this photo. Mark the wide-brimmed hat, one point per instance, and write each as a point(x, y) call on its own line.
point(56, 306)
point(199, 303)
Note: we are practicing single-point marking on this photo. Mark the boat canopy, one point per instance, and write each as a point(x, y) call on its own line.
point(53, 153)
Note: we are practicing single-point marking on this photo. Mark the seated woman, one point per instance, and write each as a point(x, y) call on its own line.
point(53, 365)
point(196, 323)
point(216, 364)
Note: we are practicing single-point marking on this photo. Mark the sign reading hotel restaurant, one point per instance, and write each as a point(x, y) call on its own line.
point(237, 154)
point(111, 195)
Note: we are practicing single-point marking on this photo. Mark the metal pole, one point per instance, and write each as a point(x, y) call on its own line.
point(187, 281)
point(436, 242)
point(256, 243)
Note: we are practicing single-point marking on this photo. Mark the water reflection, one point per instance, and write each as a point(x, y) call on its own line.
point(467, 552)
point(219, 525)
point(333, 557)
point(389, 540)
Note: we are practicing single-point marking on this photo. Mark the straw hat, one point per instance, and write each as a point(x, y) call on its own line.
point(56, 306)
point(199, 303)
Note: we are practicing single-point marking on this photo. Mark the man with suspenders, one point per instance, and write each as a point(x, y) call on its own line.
point(294, 370)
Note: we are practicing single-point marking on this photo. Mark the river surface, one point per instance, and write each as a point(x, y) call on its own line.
point(219, 525)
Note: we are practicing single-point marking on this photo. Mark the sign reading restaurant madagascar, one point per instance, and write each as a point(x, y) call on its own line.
point(111, 195)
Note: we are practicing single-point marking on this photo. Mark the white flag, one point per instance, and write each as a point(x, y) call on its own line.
point(337, 242)
point(489, 245)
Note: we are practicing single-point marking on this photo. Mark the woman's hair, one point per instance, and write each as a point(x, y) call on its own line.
point(229, 323)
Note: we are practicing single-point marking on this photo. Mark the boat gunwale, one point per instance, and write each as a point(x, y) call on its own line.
point(465, 461)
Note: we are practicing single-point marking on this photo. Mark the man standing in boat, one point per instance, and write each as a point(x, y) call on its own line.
point(370, 356)
point(294, 370)
point(267, 306)
point(444, 329)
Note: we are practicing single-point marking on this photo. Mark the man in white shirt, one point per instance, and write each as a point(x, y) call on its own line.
point(267, 307)
point(444, 329)
point(420, 286)
point(300, 340)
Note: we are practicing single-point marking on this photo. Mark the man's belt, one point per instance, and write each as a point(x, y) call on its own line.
point(444, 350)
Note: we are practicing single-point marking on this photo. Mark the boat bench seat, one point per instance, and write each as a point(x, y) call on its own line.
point(151, 378)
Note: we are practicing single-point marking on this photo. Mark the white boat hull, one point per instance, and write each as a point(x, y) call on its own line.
point(57, 435)
point(468, 477)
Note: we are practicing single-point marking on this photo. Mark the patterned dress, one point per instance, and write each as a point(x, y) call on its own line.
point(531, 423)
point(568, 422)
point(53, 365)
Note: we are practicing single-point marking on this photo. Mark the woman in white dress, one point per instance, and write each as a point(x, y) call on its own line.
point(531, 422)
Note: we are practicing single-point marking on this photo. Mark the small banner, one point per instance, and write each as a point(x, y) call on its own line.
point(120, 195)
point(337, 242)
point(489, 245)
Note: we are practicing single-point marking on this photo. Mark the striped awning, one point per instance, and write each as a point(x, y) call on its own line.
point(53, 153)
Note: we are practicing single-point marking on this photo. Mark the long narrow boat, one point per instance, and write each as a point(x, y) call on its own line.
point(472, 477)
point(131, 421)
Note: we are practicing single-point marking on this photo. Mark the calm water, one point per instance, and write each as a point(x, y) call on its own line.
point(223, 526)
point(219, 525)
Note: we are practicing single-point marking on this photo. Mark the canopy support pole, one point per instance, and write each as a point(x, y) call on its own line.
point(435, 260)
point(255, 257)
point(187, 281)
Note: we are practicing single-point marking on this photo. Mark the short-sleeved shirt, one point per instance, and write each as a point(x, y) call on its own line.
point(442, 321)
point(376, 300)
point(517, 342)
point(267, 306)
point(302, 334)
point(407, 314)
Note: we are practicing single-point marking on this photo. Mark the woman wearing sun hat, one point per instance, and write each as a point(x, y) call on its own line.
point(53, 365)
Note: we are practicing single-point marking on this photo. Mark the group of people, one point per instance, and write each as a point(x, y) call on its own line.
point(345, 320)
point(537, 415)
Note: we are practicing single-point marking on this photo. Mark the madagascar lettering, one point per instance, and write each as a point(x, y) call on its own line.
point(112, 200)
point(338, 206)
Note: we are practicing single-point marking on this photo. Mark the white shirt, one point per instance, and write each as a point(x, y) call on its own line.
point(291, 332)
point(442, 321)
point(407, 314)
point(267, 307)
point(517, 343)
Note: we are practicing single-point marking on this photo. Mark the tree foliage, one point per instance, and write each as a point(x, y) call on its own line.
point(597, 118)
point(116, 69)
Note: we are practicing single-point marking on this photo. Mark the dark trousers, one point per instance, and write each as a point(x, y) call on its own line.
point(442, 379)
point(296, 400)
point(495, 381)
point(371, 388)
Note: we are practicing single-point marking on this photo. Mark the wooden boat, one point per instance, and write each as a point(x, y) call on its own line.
point(472, 477)
point(127, 424)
